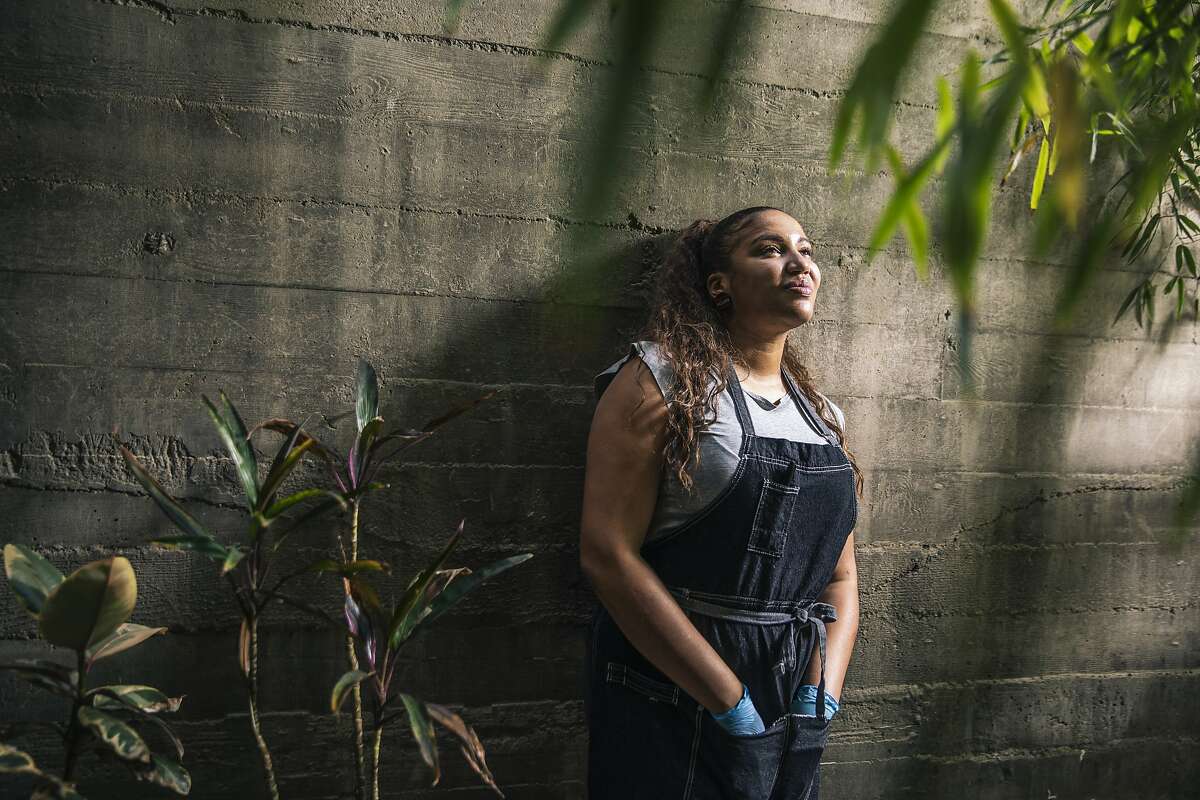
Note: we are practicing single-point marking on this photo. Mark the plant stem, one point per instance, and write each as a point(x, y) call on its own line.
point(360, 756)
point(375, 762)
point(73, 725)
point(272, 788)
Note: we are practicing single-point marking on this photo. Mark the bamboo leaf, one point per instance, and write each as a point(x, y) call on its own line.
point(1039, 177)
point(124, 637)
point(31, 577)
point(90, 604)
point(123, 740)
point(343, 686)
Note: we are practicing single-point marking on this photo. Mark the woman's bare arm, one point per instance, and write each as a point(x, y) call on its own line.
point(624, 463)
point(842, 594)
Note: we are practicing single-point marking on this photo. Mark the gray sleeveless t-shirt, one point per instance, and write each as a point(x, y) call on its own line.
point(719, 443)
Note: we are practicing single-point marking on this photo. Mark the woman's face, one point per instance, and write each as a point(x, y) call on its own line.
point(772, 277)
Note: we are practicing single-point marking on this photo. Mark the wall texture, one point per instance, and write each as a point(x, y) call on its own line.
point(249, 194)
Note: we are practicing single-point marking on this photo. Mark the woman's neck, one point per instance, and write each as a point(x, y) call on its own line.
point(761, 357)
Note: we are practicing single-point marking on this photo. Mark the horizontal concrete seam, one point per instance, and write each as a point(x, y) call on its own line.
point(882, 690)
point(41, 90)
point(559, 303)
point(1026, 754)
point(631, 224)
point(167, 13)
point(905, 611)
point(988, 547)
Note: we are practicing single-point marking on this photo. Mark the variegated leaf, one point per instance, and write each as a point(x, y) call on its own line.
point(123, 638)
point(146, 699)
point(124, 741)
point(31, 577)
point(166, 772)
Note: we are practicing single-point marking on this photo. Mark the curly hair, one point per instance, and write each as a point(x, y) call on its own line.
point(693, 336)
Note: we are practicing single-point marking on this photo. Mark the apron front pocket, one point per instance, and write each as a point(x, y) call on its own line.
point(772, 518)
point(743, 767)
point(625, 675)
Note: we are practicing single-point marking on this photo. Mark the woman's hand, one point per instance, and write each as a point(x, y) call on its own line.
point(620, 489)
point(743, 719)
point(805, 702)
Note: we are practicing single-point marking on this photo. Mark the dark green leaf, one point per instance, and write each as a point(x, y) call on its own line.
point(205, 545)
point(366, 401)
point(343, 686)
point(301, 496)
point(233, 434)
point(348, 567)
point(172, 509)
point(454, 592)
point(30, 576)
point(422, 730)
point(417, 587)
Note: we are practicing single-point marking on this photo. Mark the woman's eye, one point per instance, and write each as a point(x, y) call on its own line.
point(772, 249)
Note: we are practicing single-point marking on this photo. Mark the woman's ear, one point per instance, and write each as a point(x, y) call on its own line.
point(716, 285)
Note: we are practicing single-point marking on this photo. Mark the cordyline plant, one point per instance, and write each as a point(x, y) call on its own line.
point(247, 566)
point(87, 612)
point(381, 632)
point(354, 476)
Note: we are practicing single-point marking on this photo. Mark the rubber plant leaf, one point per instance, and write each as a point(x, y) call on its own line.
point(90, 604)
point(165, 772)
point(146, 699)
point(122, 739)
point(124, 637)
point(30, 576)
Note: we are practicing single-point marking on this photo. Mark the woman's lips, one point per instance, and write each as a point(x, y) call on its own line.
point(804, 290)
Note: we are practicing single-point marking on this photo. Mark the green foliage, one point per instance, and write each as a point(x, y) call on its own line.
point(87, 612)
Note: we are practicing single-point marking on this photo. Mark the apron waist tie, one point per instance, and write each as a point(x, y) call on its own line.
point(813, 614)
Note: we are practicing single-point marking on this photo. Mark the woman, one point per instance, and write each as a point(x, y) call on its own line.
point(718, 508)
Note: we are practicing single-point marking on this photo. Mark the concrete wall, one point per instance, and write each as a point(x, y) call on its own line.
point(251, 194)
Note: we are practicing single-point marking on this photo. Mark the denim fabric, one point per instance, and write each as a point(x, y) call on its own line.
point(747, 570)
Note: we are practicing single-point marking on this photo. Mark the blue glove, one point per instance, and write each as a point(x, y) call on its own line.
point(743, 718)
point(805, 702)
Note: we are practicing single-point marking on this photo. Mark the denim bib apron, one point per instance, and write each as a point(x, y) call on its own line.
point(746, 570)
